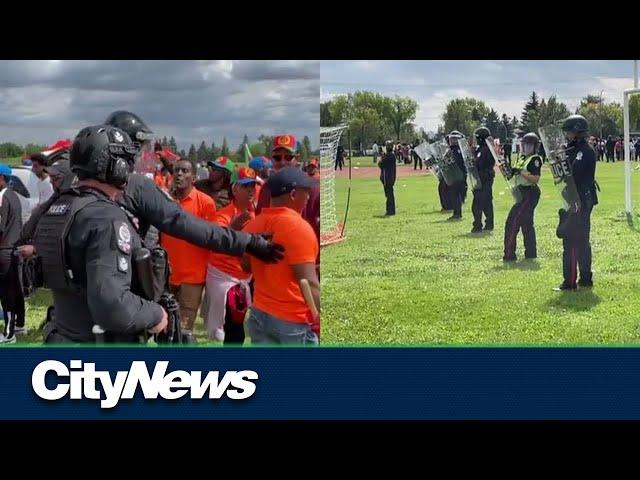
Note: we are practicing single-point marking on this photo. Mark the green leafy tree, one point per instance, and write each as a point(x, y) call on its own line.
point(464, 114)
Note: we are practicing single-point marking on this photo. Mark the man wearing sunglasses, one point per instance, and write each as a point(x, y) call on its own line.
point(284, 153)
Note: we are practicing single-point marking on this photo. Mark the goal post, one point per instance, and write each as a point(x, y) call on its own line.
point(628, 200)
point(330, 230)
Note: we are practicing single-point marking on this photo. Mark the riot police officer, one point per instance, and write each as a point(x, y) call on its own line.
point(526, 170)
point(457, 189)
point(483, 197)
point(152, 207)
point(575, 239)
point(86, 242)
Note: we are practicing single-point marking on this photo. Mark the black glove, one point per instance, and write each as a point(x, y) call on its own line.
point(261, 247)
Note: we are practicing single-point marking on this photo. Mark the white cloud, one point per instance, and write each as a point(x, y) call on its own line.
point(492, 67)
point(503, 85)
point(613, 87)
point(41, 101)
point(365, 64)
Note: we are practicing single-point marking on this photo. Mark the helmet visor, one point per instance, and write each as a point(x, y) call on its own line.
point(528, 148)
point(146, 161)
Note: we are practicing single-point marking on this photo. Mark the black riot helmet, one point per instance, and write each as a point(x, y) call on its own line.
point(482, 134)
point(453, 137)
point(131, 124)
point(104, 153)
point(575, 123)
point(532, 140)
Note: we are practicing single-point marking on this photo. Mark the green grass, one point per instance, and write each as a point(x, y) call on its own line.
point(12, 161)
point(416, 279)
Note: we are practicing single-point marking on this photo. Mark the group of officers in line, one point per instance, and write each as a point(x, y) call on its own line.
point(458, 168)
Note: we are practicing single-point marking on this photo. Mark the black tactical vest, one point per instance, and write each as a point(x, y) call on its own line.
point(51, 235)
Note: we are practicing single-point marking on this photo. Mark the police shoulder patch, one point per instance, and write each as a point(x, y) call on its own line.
point(123, 264)
point(536, 162)
point(579, 156)
point(123, 236)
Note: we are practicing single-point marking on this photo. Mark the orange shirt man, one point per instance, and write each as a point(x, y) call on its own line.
point(279, 313)
point(227, 285)
point(188, 262)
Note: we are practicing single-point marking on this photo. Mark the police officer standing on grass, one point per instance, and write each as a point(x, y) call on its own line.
point(526, 170)
point(86, 243)
point(483, 197)
point(388, 177)
point(576, 243)
point(457, 189)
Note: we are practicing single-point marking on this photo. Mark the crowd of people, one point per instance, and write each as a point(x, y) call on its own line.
point(612, 148)
point(241, 241)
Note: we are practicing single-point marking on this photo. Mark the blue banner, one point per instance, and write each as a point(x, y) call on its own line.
point(319, 384)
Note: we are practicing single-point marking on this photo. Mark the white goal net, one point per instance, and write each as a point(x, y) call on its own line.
point(330, 229)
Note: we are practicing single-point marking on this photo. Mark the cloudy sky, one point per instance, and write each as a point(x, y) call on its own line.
point(501, 84)
point(42, 101)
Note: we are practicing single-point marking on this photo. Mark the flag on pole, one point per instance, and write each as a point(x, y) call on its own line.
point(246, 154)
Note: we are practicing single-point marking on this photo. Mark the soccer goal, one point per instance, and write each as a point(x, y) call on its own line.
point(631, 175)
point(331, 231)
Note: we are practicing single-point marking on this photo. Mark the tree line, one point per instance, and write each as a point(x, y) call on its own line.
point(372, 117)
point(375, 117)
point(200, 154)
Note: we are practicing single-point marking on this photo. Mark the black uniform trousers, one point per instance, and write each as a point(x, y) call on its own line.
point(577, 247)
point(521, 217)
point(416, 160)
point(391, 199)
point(456, 191)
point(388, 181)
point(443, 193)
point(483, 204)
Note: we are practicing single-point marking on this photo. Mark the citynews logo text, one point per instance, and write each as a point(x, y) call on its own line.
point(81, 380)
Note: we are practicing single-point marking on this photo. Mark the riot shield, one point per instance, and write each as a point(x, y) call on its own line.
point(448, 168)
point(505, 169)
point(146, 161)
point(423, 151)
point(470, 163)
point(554, 145)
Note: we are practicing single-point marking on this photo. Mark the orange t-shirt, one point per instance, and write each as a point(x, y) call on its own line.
point(226, 263)
point(163, 182)
point(188, 262)
point(277, 291)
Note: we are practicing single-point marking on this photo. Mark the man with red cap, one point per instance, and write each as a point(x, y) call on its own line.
point(284, 153)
